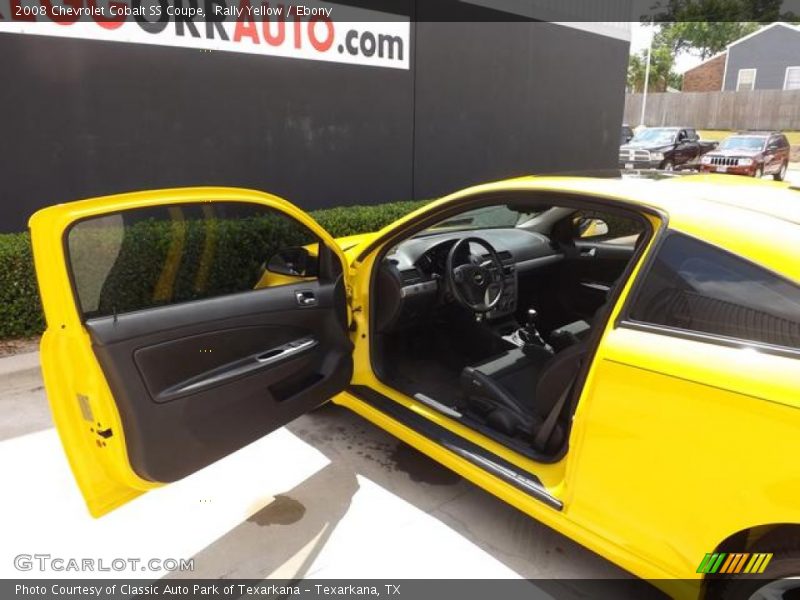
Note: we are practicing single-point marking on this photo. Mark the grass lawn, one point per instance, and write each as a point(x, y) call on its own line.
point(719, 134)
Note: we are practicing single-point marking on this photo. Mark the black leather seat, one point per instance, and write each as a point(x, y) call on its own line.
point(569, 334)
point(516, 390)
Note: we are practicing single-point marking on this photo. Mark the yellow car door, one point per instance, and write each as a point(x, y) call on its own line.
point(164, 349)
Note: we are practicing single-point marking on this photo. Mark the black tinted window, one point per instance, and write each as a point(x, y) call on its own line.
point(697, 287)
point(163, 255)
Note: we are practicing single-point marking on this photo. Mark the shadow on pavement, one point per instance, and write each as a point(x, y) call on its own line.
point(283, 539)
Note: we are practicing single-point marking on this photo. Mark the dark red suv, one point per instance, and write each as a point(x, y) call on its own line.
point(751, 153)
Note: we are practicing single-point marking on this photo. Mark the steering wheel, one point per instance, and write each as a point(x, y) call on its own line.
point(476, 282)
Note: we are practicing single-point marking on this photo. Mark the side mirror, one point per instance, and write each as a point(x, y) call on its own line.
point(591, 228)
point(294, 261)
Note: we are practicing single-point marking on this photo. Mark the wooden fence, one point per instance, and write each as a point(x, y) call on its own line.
point(759, 109)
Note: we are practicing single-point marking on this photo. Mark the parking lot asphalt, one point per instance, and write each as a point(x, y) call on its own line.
point(329, 496)
point(793, 174)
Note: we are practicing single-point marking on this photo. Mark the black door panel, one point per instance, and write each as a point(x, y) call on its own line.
point(197, 381)
point(591, 270)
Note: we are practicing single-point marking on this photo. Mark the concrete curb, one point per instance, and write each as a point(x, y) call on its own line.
point(19, 365)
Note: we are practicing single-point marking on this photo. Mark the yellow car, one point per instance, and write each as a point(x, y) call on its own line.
point(618, 358)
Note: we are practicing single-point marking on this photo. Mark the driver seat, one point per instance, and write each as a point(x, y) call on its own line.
point(516, 391)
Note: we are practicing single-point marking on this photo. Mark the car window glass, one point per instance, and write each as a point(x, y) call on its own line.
point(742, 143)
point(163, 255)
point(697, 287)
point(654, 136)
point(587, 224)
point(495, 216)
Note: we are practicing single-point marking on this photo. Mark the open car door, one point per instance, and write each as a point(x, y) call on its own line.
point(183, 325)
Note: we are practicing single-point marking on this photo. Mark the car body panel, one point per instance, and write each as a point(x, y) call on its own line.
point(710, 457)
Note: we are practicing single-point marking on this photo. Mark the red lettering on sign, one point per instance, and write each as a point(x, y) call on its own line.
point(297, 31)
point(64, 17)
point(109, 22)
point(266, 27)
point(245, 27)
point(320, 45)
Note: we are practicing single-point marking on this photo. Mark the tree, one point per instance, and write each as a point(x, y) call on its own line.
point(702, 38)
point(661, 74)
point(706, 27)
point(718, 11)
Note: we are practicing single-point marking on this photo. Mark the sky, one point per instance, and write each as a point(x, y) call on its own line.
point(640, 38)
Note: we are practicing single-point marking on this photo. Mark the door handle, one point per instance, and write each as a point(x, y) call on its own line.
point(289, 349)
point(238, 368)
point(305, 298)
point(589, 252)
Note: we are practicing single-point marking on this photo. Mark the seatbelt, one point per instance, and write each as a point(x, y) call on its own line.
point(546, 430)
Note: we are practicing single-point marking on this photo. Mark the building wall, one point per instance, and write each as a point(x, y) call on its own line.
point(706, 77)
point(481, 101)
point(770, 52)
point(87, 118)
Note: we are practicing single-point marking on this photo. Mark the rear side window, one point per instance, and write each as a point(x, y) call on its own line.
point(148, 257)
point(696, 287)
point(588, 224)
point(777, 141)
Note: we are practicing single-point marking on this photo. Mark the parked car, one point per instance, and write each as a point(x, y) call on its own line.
point(618, 358)
point(753, 154)
point(666, 148)
point(626, 135)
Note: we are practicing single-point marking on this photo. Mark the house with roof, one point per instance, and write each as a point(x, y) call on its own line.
point(767, 59)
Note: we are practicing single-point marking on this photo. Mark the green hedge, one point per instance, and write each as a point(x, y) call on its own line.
point(350, 220)
point(142, 254)
point(20, 309)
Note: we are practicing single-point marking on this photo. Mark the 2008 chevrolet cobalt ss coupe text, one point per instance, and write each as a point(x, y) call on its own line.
point(618, 358)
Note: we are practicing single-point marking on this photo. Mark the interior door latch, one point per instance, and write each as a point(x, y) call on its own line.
point(305, 298)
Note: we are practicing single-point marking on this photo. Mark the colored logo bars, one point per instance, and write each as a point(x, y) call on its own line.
point(723, 562)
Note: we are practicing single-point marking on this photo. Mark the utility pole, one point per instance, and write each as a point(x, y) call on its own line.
point(646, 80)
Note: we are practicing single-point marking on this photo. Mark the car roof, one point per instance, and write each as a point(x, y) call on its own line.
point(759, 220)
point(757, 133)
point(750, 134)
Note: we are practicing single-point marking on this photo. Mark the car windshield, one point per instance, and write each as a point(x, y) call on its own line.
point(655, 136)
point(742, 143)
point(484, 218)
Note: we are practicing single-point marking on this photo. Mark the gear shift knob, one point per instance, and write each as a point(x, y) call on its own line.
point(529, 335)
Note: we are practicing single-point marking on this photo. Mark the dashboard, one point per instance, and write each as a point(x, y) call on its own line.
point(412, 277)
